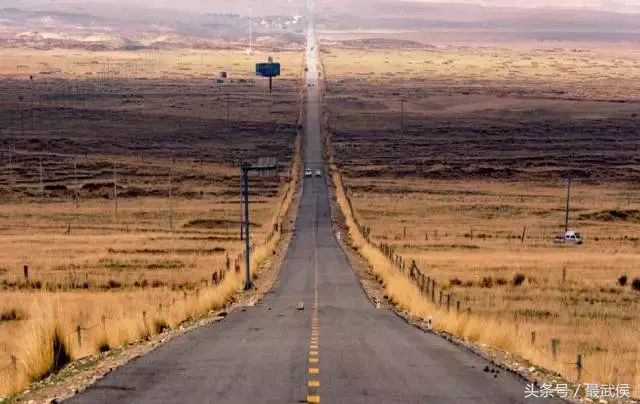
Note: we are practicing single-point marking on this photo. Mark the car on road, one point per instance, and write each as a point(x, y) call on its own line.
point(570, 237)
point(308, 172)
point(318, 173)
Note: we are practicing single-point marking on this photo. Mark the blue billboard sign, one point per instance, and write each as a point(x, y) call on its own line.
point(268, 69)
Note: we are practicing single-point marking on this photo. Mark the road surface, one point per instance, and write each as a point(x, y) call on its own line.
point(340, 349)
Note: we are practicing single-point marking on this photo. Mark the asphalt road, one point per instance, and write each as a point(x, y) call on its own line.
point(339, 349)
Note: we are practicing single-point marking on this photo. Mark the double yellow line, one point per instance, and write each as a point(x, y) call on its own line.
point(313, 381)
point(313, 376)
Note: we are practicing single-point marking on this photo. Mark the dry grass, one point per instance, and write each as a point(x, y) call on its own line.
point(589, 313)
point(122, 278)
point(104, 270)
point(593, 72)
point(150, 64)
point(482, 155)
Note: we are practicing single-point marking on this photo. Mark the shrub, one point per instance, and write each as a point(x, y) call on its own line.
point(103, 346)
point(113, 284)
point(487, 282)
point(636, 284)
point(518, 279)
point(455, 282)
point(11, 315)
point(622, 281)
point(159, 325)
point(501, 281)
point(61, 356)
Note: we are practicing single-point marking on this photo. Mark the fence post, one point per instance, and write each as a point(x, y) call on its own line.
point(14, 363)
point(458, 306)
point(440, 298)
point(524, 233)
point(579, 366)
point(79, 332)
point(433, 291)
point(564, 275)
point(198, 295)
point(448, 301)
point(26, 272)
point(533, 337)
point(554, 348)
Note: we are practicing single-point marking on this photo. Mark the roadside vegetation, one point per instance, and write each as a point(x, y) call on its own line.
point(467, 177)
point(96, 254)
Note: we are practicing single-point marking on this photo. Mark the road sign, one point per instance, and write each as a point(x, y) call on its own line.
point(269, 70)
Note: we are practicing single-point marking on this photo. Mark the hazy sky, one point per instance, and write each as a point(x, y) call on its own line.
point(608, 5)
point(624, 6)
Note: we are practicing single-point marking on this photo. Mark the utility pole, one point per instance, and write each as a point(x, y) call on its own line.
point(10, 168)
point(170, 195)
point(41, 183)
point(245, 180)
point(115, 189)
point(246, 167)
point(566, 217)
point(402, 115)
point(250, 50)
point(241, 208)
point(75, 178)
point(227, 112)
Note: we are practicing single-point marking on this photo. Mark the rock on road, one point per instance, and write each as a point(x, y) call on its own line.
point(339, 349)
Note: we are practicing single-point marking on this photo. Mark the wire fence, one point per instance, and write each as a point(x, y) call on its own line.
point(80, 331)
point(441, 297)
point(217, 277)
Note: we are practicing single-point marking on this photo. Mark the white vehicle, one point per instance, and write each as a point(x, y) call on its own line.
point(308, 172)
point(318, 173)
point(570, 237)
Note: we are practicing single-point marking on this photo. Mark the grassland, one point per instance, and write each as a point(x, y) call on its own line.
point(480, 154)
point(91, 151)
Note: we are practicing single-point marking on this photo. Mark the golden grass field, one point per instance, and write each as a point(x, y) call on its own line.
point(482, 155)
point(121, 277)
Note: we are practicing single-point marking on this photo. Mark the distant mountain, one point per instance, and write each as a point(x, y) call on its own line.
point(458, 15)
point(476, 22)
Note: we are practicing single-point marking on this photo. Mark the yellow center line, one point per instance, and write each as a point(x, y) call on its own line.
point(313, 384)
